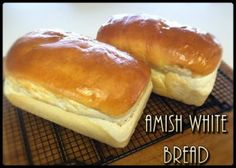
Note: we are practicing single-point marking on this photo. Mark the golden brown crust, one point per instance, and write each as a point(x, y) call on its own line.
point(90, 72)
point(160, 43)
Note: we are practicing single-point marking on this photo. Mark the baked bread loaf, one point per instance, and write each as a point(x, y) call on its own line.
point(79, 83)
point(183, 60)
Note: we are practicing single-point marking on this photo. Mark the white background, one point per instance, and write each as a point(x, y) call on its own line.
point(86, 18)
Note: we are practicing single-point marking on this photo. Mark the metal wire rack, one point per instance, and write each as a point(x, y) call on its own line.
point(28, 139)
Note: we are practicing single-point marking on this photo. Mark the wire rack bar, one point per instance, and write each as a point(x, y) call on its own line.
point(46, 143)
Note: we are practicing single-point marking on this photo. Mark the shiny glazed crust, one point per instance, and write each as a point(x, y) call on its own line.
point(87, 71)
point(162, 43)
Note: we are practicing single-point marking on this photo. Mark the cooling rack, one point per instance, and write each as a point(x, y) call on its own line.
point(28, 139)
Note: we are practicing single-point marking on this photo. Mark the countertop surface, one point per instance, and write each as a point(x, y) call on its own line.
point(86, 18)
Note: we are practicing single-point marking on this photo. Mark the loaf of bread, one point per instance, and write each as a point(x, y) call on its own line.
point(79, 83)
point(183, 60)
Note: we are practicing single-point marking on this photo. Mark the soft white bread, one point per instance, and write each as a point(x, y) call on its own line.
point(77, 82)
point(184, 60)
point(84, 70)
point(106, 131)
point(183, 87)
